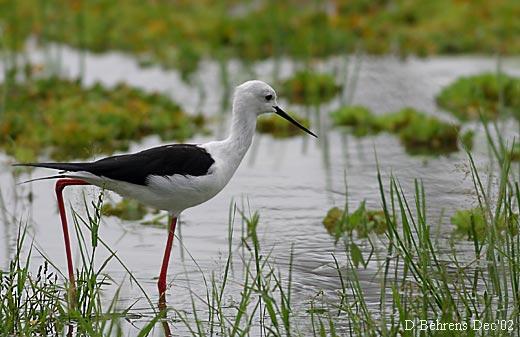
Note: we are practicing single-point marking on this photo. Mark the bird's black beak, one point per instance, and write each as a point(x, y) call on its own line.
point(284, 115)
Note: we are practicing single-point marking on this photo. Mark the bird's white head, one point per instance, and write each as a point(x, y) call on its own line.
point(256, 98)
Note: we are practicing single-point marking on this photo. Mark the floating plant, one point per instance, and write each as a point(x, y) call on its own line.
point(473, 224)
point(126, 209)
point(70, 121)
point(418, 132)
point(361, 120)
point(487, 94)
point(362, 221)
point(428, 135)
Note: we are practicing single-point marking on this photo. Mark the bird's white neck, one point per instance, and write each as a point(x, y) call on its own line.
point(243, 127)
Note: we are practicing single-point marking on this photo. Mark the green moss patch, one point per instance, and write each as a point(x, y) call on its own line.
point(485, 94)
point(306, 87)
point(69, 121)
point(473, 224)
point(419, 133)
point(361, 221)
point(279, 127)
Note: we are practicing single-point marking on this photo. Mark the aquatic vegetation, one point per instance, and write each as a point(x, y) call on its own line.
point(467, 139)
point(306, 87)
point(418, 132)
point(471, 222)
point(279, 127)
point(126, 209)
point(362, 221)
point(392, 280)
point(191, 31)
point(361, 120)
point(487, 94)
point(474, 224)
point(38, 303)
point(426, 134)
point(69, 121)
point(131, 210)
point(515, 152)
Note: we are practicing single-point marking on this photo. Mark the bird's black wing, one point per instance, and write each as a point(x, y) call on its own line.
point(184, 159)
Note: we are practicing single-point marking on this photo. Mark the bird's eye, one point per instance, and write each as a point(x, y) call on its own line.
point(269, 97)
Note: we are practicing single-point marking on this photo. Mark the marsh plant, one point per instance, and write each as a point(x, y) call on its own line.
point(492, 95)
point(419, 276)
point(68, 120)
point(256, 30)
point(417, 131)
point(40, 302)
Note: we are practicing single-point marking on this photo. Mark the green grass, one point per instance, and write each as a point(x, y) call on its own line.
point(418, 275)
point(488, 94)
point(515, 152)
point(66, 120)
point(40, 303)
point(414, 273)
point(418, 132)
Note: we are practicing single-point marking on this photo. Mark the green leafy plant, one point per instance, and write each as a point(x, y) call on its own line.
point(418, 132)
point(488, 94)
point(359, 118)
point(426, 134)
point(70, 121)
point(126, 209)
point(361, 221)
point(474, 224)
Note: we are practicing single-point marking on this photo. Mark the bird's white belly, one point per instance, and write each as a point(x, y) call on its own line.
point(171, 193)
point(180, 192)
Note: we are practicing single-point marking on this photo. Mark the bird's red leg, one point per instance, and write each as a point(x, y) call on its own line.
point(60, 185)
point(166, 259)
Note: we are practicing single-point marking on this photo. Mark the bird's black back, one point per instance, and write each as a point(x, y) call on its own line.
point(167, 160)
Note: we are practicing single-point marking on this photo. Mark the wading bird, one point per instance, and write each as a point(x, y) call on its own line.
point(172, 177)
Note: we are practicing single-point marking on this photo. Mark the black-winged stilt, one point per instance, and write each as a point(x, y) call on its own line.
point(173, 177)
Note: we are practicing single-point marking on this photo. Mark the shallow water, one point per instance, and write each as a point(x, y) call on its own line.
point(292, 182)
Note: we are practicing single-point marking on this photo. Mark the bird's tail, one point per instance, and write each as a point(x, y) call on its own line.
point(73, 167)
point(57, 166)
